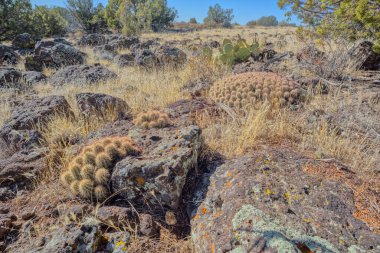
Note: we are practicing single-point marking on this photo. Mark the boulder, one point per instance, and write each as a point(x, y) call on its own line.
point(8, 55)
point(105, 52)
point(9, 77)
point(154, 180)
point(188, 108)
point(43, 44)
point(170, 56)
point(266, 53)
point(94, 39)
point(81, 75)
point(146, 58)
point(62, 41)
point(311, 55)
point(122, 42)
point(32, 77)
point(364, 57)
point(214, 44)
point(20, 169)
point(143, 45)
point(64, 55)
point(197, 87)
point(24, 41)
point(53, 55)
point(101, 105)
point(71, 238)
point(116, 216)
point(19, 131)
point(271, 202)
point(124, 60)
point(148, 226)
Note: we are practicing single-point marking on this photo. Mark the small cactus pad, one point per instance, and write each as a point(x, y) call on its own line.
point(243, 91)
point(88, 173)
point(152, 119)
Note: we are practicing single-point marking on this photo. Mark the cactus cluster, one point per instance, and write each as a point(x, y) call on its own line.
point(245, 90)
point(152, 119)
point(231, 53)
point(89, 172)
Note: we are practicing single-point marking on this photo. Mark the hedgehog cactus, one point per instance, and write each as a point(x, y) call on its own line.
point(88, 173)
point(152, 119)
point(245, 90)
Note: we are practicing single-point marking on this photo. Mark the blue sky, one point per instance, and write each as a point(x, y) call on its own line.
point(244, 10)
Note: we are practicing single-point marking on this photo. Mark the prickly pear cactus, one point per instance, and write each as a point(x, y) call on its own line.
point(243, 91)
point(231, 53)
point(88, 173)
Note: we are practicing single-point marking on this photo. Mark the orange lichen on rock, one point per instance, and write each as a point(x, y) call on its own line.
point(366, 195)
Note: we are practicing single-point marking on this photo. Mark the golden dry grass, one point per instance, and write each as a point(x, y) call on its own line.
point(229, 136)
point(234, 136)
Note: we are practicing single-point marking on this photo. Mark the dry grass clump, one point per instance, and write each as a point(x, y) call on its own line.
point(261, 126)
point(234, 136)
point(58, 135)
point(89, 172)
point(5, 112)
point(167, 242)
point(152, 119)
point(244, 91)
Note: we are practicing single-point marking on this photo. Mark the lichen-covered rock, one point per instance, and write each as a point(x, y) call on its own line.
point(32, 77)
point(116, 215)
point(62, 41)
point(19, 130)
point(9, 77)
point(101, 105)
point(105, 52)
point(146, 58)
point(155, 179)
point(20, 169)
point(364, 57)
point(53, 55)
point(197, 87)
point(8, 55)
point(24, 41)
point(143, 45)
point(71, 238)
point(186, 111)
point(65, 55)
point(311, 55)
point(170, 56)
point(271, 197)
point(94, 39)
point(244, 91)
point(81, 75)
point(122, 42)
point(124, 60)
point(148, 226)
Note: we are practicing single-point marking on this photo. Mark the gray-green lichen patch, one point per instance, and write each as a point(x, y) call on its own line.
point(280, 236)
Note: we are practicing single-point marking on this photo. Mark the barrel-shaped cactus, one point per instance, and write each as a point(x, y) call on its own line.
point(152, 119)
point(88, 174)
point(246, 90)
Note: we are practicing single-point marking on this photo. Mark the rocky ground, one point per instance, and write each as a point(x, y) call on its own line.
point(124, 144)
